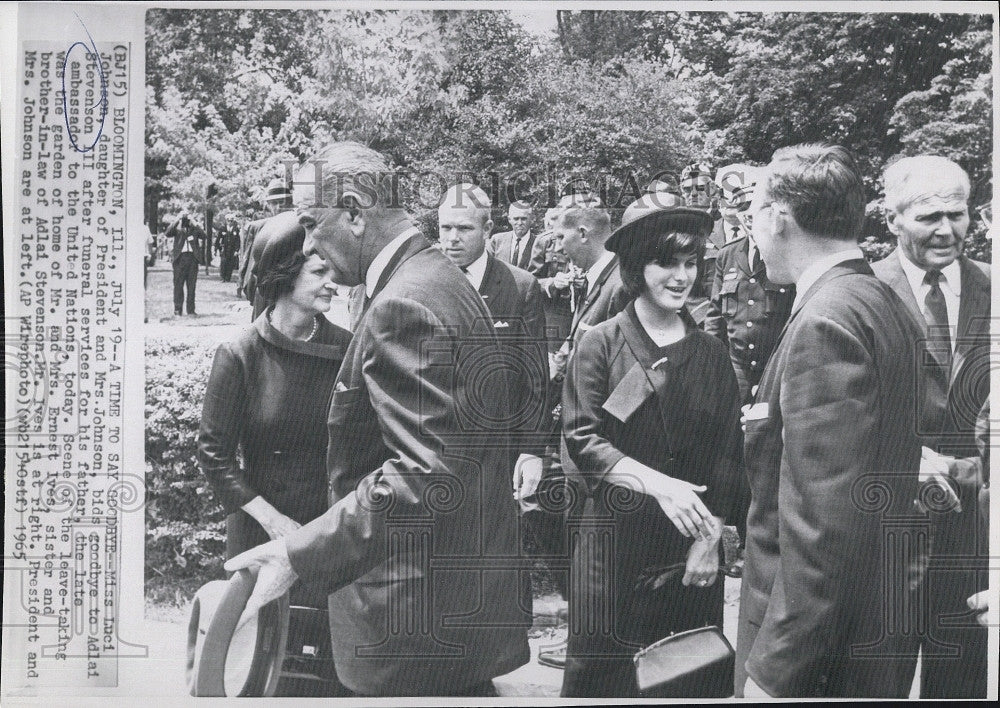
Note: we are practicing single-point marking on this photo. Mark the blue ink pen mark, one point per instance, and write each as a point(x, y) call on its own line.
point(102, 101)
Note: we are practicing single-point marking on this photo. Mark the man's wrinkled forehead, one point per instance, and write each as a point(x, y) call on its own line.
point(941, 200)
point(925, 190)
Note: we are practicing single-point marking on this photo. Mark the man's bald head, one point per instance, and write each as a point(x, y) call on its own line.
point(469, 197)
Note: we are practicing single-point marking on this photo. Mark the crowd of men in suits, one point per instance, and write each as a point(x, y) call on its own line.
point(855, 378)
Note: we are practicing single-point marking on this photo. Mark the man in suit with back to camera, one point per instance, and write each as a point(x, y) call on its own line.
point(514, 299)
point(515, 247)
point(188, 253)
point(419, 547)
point(831, 449)
point(926, 202)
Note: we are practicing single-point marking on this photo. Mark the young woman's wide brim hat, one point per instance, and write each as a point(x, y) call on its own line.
point(655, 213)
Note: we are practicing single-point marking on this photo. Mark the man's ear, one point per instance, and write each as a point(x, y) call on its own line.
point(488, 228)
point(891, 222)
point(355, 215)
point(781, 220)
point(583, 234)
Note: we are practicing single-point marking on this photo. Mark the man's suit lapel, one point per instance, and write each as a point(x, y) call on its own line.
point(490, 286)
point(898, 282)
point(593, 295)
point(973, 303)
point(525, 257)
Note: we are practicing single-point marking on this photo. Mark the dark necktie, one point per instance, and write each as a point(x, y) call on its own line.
point(936, 314)
point(755, 261)
point(515, 251)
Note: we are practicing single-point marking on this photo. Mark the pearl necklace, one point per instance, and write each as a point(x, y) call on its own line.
point(312, 334)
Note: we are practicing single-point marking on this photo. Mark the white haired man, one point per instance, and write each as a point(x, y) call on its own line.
point(926, 203)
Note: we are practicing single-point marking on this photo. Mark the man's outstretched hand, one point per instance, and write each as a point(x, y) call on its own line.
point(274, 574)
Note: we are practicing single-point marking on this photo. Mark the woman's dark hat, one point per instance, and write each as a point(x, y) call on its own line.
point(655, 213)
point(284, 236)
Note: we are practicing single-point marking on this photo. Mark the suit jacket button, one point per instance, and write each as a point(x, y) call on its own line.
point(753, 280)
point(781, 290)
point(750, 345)
point(753, 363)
point(749, 325)
point(749, 302)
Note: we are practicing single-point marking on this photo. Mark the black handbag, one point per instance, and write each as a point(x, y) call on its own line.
point(696, 663)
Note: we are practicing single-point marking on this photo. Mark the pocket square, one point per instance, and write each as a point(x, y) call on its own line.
point(340, 387)
point(757, 411)
point(501, 324)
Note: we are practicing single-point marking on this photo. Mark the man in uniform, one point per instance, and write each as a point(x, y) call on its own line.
point(747, 311)
point(699, 189)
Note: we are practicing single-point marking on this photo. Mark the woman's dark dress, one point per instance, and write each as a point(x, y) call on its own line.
point(681, 417)
point(269, 396)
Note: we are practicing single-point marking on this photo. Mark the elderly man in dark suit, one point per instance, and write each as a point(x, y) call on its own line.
point(926, 199)
point(514, 299)
point(831, 449)
point(419, 548)
point(187, 255)
point(515, 246)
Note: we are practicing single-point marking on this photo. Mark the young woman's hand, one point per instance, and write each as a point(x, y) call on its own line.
point(678, 499)
point(702, 563)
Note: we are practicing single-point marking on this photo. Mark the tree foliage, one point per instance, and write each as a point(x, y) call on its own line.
point(234, 93)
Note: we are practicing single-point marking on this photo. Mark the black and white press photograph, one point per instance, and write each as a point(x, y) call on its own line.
point(530, 352)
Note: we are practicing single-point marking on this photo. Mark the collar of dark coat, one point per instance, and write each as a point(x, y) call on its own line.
point(855, 266)
point(412, 246)
point(330, 343)
point(651, 373)
point(643, 348)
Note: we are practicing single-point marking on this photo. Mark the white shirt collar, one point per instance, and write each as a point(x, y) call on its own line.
point(476, 270)
point(951, 276)
point(815, 271)
point(595, 270)
point(380, 261)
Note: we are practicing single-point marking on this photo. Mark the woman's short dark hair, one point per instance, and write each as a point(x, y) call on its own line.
point(279, 278)
point(657, 249)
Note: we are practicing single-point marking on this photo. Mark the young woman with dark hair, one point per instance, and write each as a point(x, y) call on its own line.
point(651, 419)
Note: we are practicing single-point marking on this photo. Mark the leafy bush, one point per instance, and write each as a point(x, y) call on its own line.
point(185, 527)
